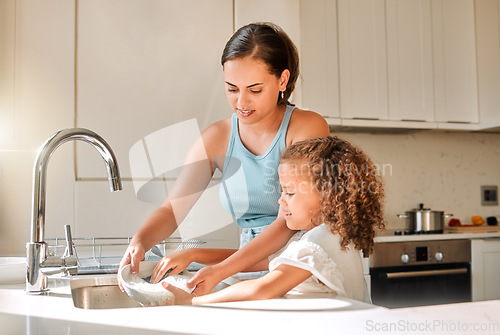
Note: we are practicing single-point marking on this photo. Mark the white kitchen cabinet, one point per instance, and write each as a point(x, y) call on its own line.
point(409, 60)
point(284, 13)
point(384, 59)
point(395, 64)
point(454, 54)
point(143, 66)
point(487, 17)
point(319, 57)
point(362, 59)
point(485, 268)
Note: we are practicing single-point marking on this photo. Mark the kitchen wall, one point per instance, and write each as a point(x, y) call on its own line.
point(443, 170)
point(36, 99)
point(50, 80)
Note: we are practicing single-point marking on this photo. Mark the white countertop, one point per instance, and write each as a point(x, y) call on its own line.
point(388, 236)
point(21, 313)
point(34, 314)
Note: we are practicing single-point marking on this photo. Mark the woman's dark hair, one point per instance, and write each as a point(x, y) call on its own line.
point(270, 44)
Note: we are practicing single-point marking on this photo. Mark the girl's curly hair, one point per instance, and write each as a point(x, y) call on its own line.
point(350, 185)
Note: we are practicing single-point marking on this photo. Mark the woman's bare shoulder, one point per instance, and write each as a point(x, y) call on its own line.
point(216, 137)
point(306, 124)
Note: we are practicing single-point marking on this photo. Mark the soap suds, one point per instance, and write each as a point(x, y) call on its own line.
point(156, 294)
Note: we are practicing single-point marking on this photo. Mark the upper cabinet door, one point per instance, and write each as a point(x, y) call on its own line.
point(319, 57)
point(409, 59)
point(362, 59)
point(488, 59)
point(284, 13)
point(455, 74)
point(146, 65)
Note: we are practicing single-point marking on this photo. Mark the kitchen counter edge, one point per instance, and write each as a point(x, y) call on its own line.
point(447, 235)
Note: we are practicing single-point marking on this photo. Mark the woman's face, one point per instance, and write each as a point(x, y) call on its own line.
point(299, 200)
point(252, 91)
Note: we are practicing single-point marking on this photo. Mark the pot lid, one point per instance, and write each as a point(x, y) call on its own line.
point(421, 208)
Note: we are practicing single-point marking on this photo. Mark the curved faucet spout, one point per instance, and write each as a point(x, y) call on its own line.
point(40, 170)
point(36, 248)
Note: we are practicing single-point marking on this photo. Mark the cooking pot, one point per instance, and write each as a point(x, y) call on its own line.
point(425, 220)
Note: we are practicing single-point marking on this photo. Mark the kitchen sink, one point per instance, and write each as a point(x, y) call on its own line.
point(99, 293)
point(103, 292)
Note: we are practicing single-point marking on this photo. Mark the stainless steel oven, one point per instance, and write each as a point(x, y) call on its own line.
point(405, 274)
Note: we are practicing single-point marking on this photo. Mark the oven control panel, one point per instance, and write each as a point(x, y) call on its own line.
point(420, 255)
point(416, 253)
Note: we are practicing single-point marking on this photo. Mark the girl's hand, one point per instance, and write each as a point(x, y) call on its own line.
point(205, 280)
point(177, 261)
point(133, 256)
point(181, 296)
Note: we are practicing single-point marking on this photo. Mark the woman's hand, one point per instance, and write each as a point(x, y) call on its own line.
point(181, 297)
point(205, 280)
point(133, 256)
point(177, 261)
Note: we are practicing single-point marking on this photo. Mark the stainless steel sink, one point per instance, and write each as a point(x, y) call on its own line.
point(99, 293)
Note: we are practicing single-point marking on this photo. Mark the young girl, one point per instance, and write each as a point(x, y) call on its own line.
point(332, 195)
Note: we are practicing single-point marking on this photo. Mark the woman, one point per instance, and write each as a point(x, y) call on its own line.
point(261, 67)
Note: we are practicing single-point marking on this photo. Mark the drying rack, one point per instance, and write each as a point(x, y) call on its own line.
point(103, 254)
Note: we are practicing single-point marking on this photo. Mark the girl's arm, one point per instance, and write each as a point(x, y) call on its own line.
point(252, 257)
point(275, 284)
point(179, 260)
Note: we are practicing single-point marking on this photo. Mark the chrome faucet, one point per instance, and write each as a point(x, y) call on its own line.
point(39, 263)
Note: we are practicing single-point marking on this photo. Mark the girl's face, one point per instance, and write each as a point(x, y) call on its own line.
point(299, 200)
point(252, 91)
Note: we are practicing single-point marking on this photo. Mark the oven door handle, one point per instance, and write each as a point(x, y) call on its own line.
point(410, 274)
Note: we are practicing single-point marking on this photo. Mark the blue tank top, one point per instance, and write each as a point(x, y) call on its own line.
point(250, 187)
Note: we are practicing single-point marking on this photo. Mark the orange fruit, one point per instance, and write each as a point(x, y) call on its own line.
point(477, 220)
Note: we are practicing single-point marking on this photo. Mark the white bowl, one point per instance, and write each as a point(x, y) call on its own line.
point(151, 294)
point(12, 270)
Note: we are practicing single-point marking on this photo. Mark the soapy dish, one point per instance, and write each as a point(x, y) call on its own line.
point(141, 290)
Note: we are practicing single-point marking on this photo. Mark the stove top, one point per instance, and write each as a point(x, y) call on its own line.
point(417, 232)
point(402, 231)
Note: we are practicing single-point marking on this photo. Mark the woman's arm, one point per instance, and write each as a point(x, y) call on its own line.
point(275, 284)
point(193, 178)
